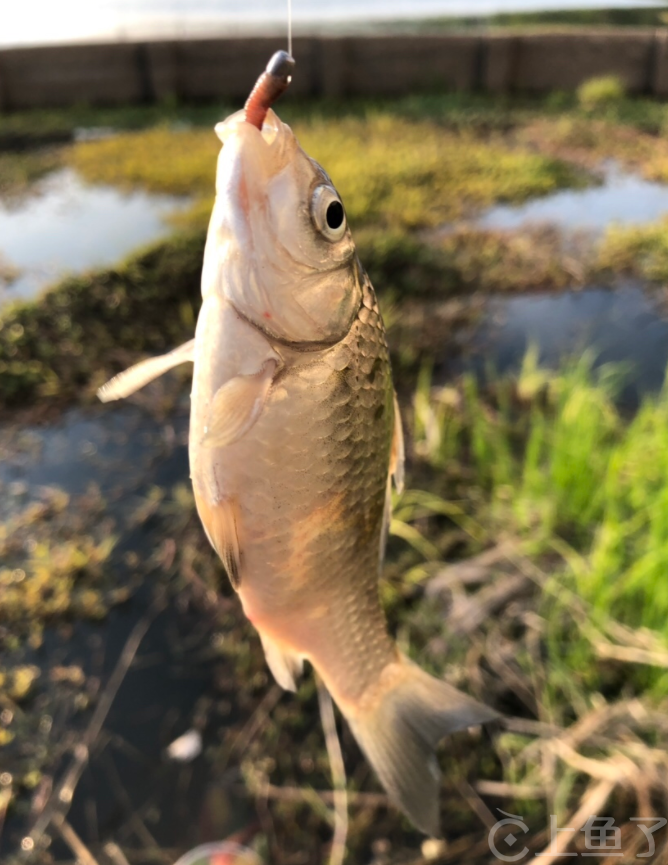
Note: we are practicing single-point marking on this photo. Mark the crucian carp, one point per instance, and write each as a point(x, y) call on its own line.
point(295, 441)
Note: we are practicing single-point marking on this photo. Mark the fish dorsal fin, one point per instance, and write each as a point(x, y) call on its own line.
point(396, 473)
point(236, 406)
point(134, 378)
point(286, 667)
point(398, 453)
point(387, 518)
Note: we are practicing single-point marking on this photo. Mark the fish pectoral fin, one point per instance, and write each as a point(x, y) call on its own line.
point(134, 378)
point(236, 406)
point(286, 667)
point(398, 453)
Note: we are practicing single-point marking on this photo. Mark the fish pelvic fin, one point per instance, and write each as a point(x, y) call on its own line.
point(398, 724)
point(219, 520)
point(285, 665)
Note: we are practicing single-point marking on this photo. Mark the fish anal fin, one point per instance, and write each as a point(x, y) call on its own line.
point(139, 375)
point(398, 452)
point(221, 526)
point(236, 406)
point(398, 724)
point(286, 666)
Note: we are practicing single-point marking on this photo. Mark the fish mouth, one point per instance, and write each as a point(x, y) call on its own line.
point(270, 129)
point(249, 161)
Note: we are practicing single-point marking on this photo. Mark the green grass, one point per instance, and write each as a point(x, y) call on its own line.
point(551, 462)
point(18, 171)
point(390, 171)
point(600, 92)
point(65, 575)
point(415, 174)
point(619, 131)
point(642, 16)
point(160, 159)
point(572, 496)
point(639, 250)
point(58, 125)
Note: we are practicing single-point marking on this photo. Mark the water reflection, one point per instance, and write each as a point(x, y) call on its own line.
point(621, 198)
point(65, 226)
point(623, 326)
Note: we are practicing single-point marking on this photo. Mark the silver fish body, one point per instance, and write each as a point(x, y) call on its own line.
point(294, 439)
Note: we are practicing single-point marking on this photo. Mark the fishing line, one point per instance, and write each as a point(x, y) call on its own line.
point(290, 28)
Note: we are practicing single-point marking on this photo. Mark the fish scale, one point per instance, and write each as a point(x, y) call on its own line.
point(283, 527)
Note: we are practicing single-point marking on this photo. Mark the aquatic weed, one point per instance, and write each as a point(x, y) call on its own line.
point(64, 344)
point(388, 169)
point(640, 250)
point(599, 92)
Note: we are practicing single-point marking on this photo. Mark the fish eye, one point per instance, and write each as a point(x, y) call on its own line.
point(328, 213)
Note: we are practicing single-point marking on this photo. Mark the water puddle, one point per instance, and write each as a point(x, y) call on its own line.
point(626, 326)
point(65, 226)
point(622, 198)
point(123, 453)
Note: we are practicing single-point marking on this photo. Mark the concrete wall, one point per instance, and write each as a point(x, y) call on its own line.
point(121, 73)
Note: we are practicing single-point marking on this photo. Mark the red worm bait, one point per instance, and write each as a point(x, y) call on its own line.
point(270, 85)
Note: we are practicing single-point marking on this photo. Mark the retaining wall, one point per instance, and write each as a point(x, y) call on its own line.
point(125, 72)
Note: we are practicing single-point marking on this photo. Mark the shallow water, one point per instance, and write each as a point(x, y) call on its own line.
point(125, 452)
point(63, 226)
point(622, 198)
point(626, 326)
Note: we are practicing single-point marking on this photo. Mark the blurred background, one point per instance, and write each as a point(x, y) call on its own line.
point(37, 22)
point(504, 166)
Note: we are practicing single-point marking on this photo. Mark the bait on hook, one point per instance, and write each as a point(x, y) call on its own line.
point(273, 82)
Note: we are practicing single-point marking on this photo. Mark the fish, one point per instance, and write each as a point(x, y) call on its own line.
point(296, 441)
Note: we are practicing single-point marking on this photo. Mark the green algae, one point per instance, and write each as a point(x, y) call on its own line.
point(18, 171)
point(639, 250)
point(65, 344)
point(389, 171)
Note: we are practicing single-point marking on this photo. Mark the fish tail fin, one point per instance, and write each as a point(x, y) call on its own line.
point(398, 725)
